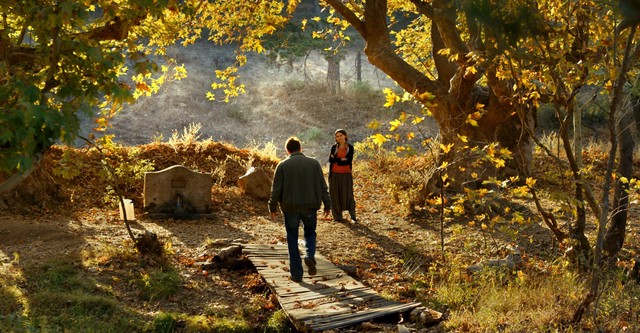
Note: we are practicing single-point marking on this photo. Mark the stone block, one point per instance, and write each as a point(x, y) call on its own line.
point(177, 191)
point(256, 182)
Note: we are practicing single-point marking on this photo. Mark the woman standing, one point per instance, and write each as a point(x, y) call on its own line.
point(340, 177)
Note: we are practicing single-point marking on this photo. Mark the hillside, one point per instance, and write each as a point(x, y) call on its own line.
point(280, 101)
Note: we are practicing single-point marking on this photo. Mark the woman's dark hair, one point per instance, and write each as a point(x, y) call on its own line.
point(293, 145)
point(340, 130)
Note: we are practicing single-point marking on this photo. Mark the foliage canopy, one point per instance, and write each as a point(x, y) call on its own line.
point(63, 60)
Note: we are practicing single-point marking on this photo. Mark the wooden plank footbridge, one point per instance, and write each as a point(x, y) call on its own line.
point(331, 299)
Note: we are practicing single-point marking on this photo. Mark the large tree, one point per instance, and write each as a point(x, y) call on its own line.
point(482, 66)
point(60, 59)
point(451, 56)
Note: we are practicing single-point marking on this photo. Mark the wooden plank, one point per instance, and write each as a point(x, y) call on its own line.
point(331, 299)
point(343, 321)
point(312, 295)
point(338, 309)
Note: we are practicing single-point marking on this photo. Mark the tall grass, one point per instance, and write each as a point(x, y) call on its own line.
point(540, 296)
point(496, 300)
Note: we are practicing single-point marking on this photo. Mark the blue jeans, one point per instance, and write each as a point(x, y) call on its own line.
point(292, 223)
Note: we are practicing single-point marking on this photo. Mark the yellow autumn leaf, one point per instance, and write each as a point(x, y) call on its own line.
point(520, 191)
point(102, 122)
point(530, 181)
point(458, 209)
point(444, 52)
point(390, 97)
point(426, 96)
point(142, 87)
point(394, 124)
point(379, 139)
point(446, 149)
point(608, 85)
point(518, 218)
point(470, 70)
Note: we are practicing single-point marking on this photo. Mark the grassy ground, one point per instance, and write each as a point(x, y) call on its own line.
point(68, 264)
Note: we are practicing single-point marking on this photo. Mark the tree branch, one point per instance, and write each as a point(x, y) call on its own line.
point(115, 29)
point(445, 68)
point(424, 8)
point(348, 15)
point(19, 177)
point(445, 18)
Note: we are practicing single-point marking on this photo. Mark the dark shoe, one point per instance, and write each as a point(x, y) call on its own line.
point(296, 279)
point(311, 264)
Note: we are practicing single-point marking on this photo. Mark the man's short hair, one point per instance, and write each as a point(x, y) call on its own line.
point(293, 145)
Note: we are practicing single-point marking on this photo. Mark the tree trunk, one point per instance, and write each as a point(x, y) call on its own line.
point(333, 73)
point(514, 134)
point(598, 250)
point(358, 66)
point(615, 236)
point(467, 167)
point(579, 240)
point(455, 94)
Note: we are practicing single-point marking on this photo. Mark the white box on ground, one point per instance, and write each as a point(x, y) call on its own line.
point(128, 208)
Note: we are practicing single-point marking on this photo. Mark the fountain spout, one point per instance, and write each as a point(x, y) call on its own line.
point(179, 210)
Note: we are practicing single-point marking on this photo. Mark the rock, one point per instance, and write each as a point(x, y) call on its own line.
point(513, 261)
point(350, 270)
point(256, 182)
point(369, 326)
point(426, 316)
point(228, 253)
point(148, 244)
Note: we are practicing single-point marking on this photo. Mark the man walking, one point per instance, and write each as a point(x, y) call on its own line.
point(299, 188)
